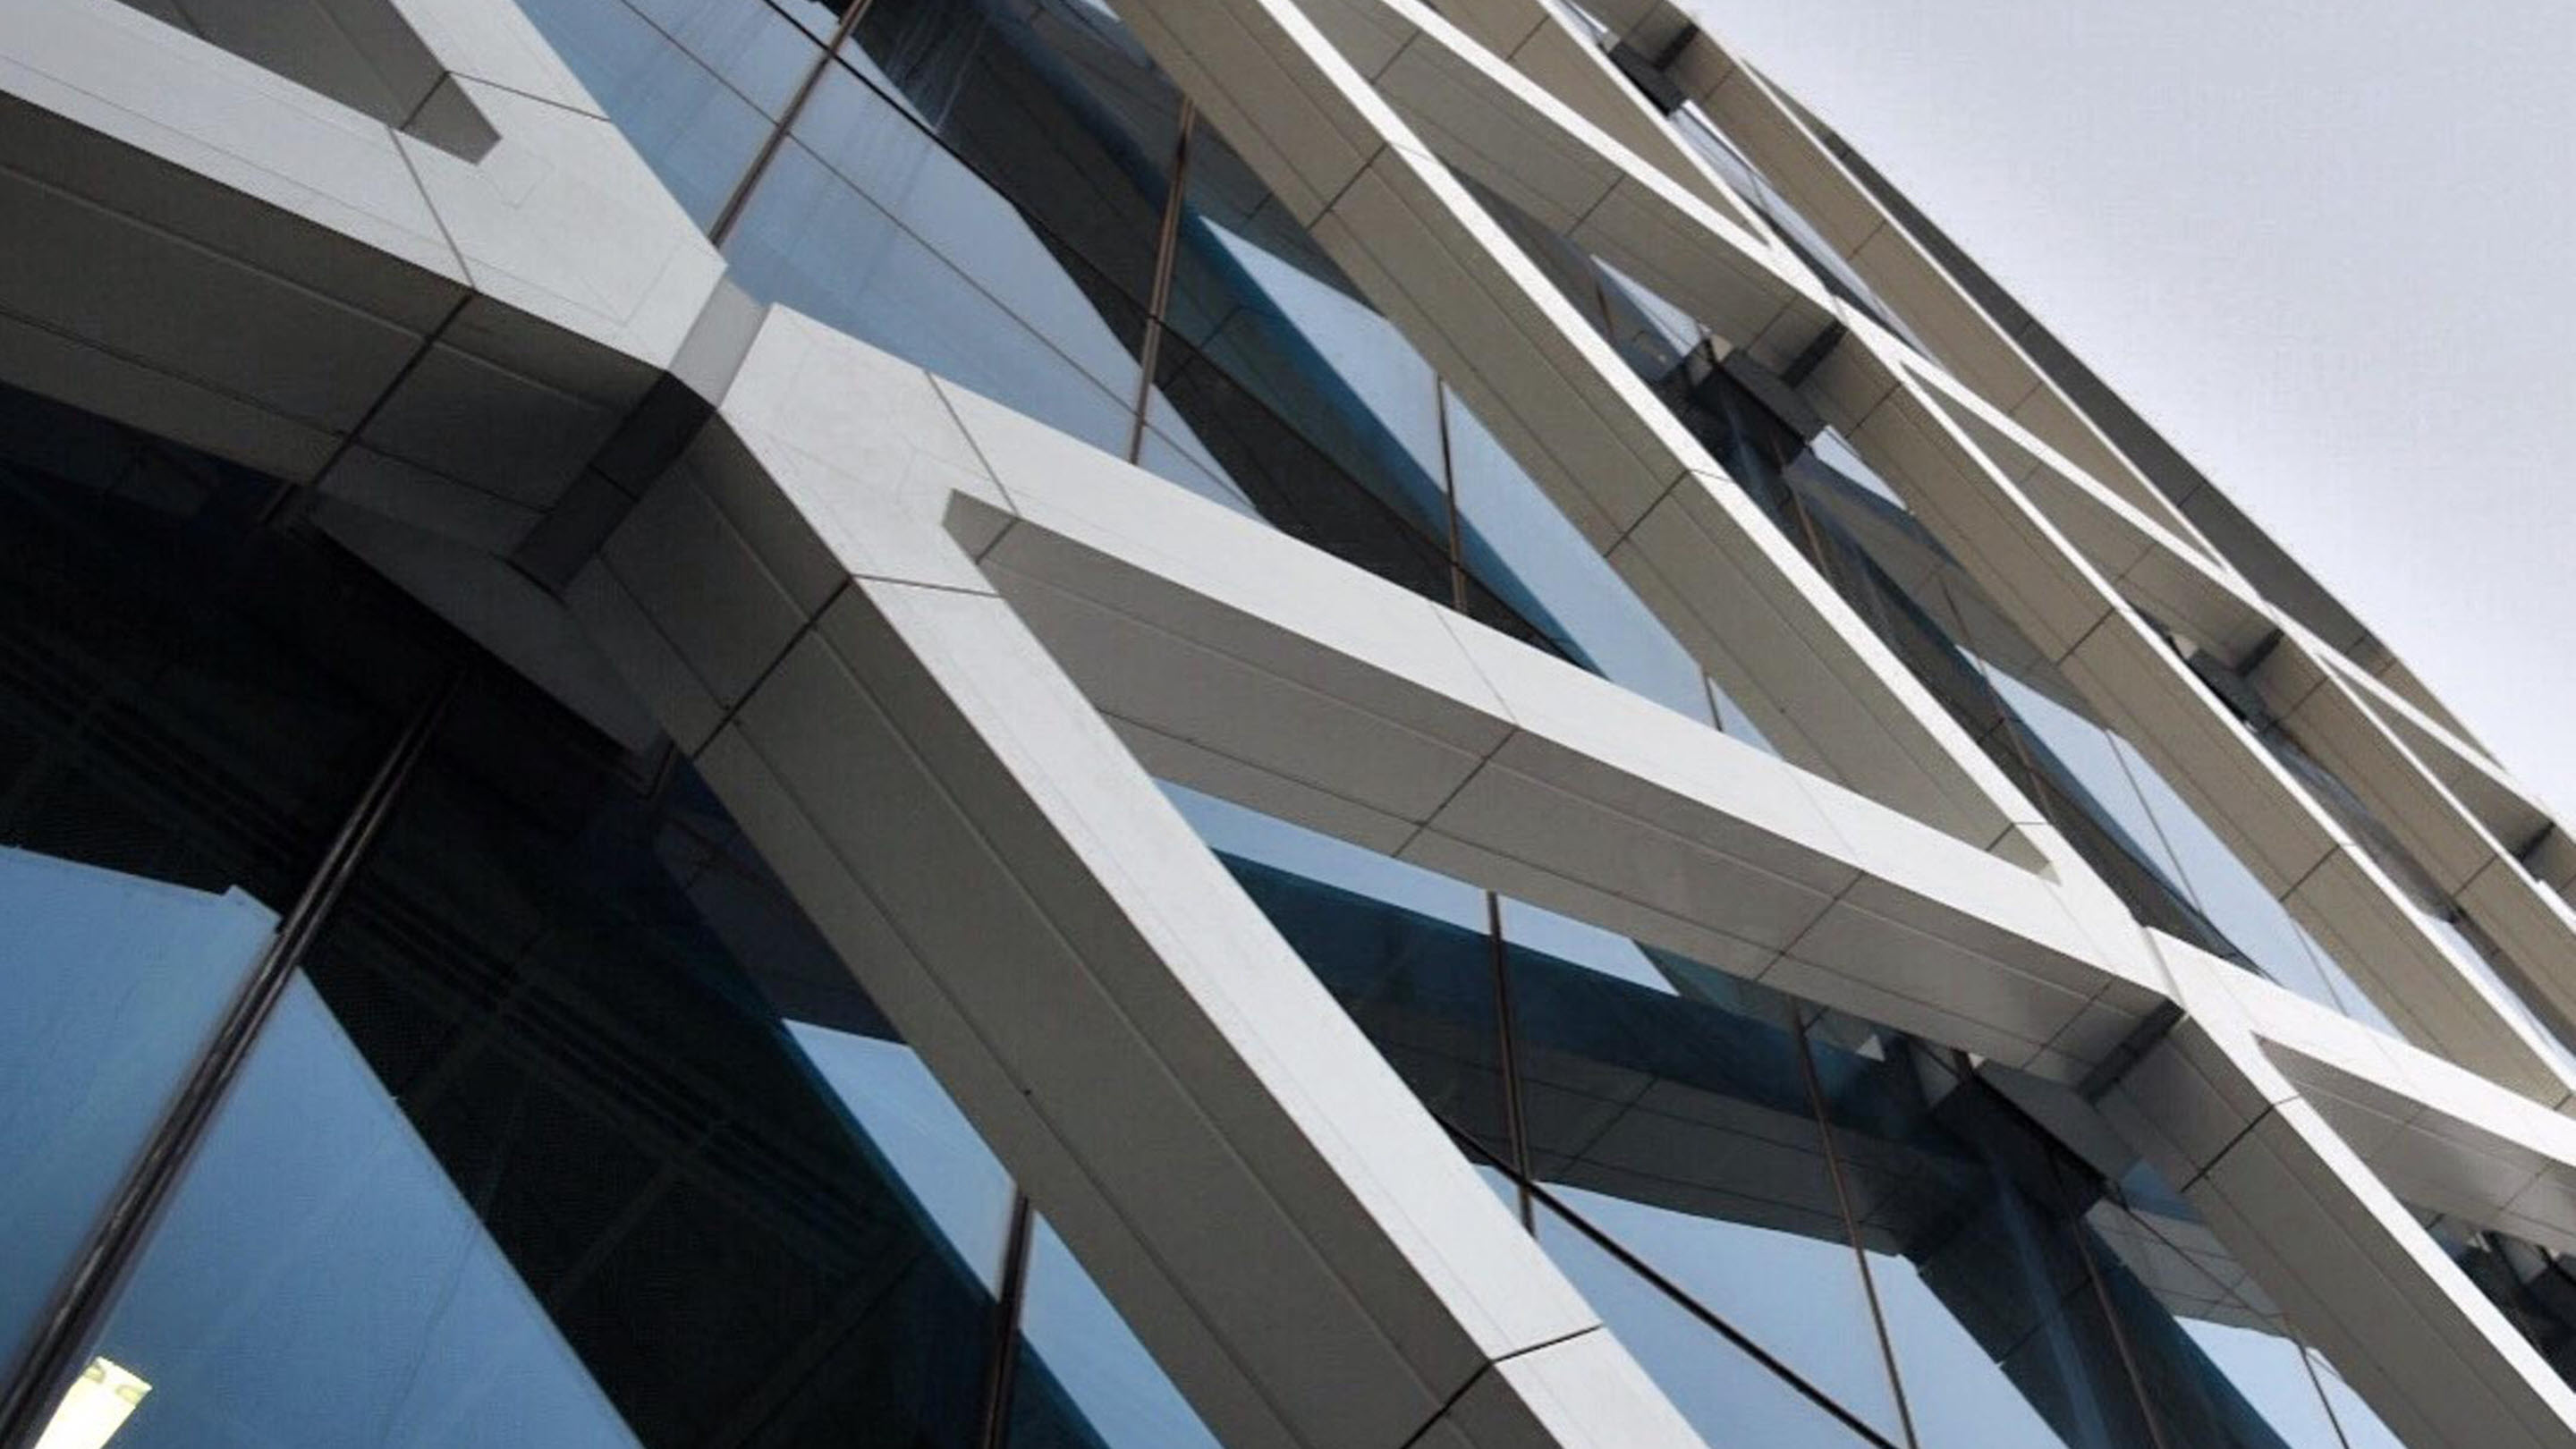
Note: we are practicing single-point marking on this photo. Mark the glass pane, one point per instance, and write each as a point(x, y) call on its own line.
point(1405, 951)
point(2271, 1379)
point(1256, 299)
point(1511, 530)
point(1567, 939)
point(538, 1162)
point(113, 983)
point(1997, 1327)
point(1272, 460)
point(1686, 1133)
point(1048, 103)
point(868, 223)
point(1795, 230)
point(2474, 949)
point(1727, 1394)
point(695, 85)
point(189, 705)
point(1172, 449)
point(921, 1138)
point(2534, 1287)
point(2362, 1428)
point(2218, 1362)
point(2155, 817)
point(1314, 406)
point(1083, 1381)
point(318, 1281)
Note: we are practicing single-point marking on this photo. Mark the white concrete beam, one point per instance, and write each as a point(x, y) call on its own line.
point(2296, 1203)
point(2053, 594)
point(1767, 628)
point(207, 250)
point(1278, 1219)
point(1240, 662)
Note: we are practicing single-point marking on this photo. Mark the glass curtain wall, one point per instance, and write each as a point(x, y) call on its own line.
point(1808, 1229)
point(386, 1058)
point(2168, 864)
point(2450, 923)
point(2532, 1285)
point(1700, 131)
point(1009, 193)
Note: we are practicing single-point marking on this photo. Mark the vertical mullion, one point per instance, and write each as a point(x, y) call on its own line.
point(1167, 237)
point(116, 1240)
point(731, 212)
point(1851, 1225)
point(2307, 1360)
point(2110, 1313)
point(1507, 1040)
point(1002, 1361)
point(1506, 1025)
point(1449, 491)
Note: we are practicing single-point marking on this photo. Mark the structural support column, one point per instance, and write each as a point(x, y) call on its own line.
point(1282, 1224)
point(2356, 1274)
point(1641, 489)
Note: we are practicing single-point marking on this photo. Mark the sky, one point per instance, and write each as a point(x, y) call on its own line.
point(2329, 250)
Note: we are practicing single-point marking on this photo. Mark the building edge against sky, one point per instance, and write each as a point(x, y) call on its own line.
point(1267, 722)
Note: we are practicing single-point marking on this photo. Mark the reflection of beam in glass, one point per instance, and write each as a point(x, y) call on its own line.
point(96, 1406)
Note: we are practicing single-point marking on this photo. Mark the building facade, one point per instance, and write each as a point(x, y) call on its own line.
point(1322, 723)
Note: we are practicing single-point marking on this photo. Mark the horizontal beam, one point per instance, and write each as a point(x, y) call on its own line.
point(1277, 1218)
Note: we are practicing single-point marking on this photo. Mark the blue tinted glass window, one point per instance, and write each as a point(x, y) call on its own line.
point(920, 1138)
point(2148, 807)
point(2361, 1425)
point(540, 1048)
point(113, 983)
point(1083, 1379)
point(866, 222)
point(2472, 947)
point(1422, 988)
point(1800, 234)
point(696, 85)
point(2273, 1377)
point(1989, 1303)
point(2219, 1362)
point(189, 706)
point(1725, 1392)
point(1686, 1133)
point(1511, 530)
point(319, 1281)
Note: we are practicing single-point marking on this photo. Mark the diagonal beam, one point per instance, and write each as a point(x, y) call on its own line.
point(1641, 489)
point(1282, 1224)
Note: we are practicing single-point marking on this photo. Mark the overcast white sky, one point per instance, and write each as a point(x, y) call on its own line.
point(2325, 248)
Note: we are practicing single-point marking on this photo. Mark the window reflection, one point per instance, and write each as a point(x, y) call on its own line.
point(695, 85)
point(2533, 1286)
point(866, 223)
point(549, 1167)
point(981, 189)
point(569, 1130)
point(2166, 861)
point(1513, 530)
point(2218, 1361)
point(2470, 946)
point(113, 985)
point(921, 1139)
point(1795, 1220)
point(189, 705)
point(320, 1282)
point(1084, 1380)
point(1990, 1302)
point(1725, 1392)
